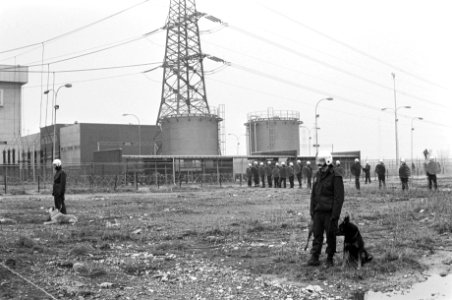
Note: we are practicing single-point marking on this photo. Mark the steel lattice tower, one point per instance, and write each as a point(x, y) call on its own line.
point(183, 86)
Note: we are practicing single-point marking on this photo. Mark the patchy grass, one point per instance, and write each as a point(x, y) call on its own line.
point(199, 238)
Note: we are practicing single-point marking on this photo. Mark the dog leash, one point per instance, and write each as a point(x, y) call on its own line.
point(22, 277)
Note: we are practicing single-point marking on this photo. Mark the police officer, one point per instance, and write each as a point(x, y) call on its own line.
point(327, 197)
point(249, 175)
point(268, 173)
point(291, 174)
point(380, 169)
point(262, 173)
point(283, 175)
point(59, 186)
point(255, 172)
point(356, 171)
point(366, 170)
point(275, 174)
point(307, 172)
point(298, 168)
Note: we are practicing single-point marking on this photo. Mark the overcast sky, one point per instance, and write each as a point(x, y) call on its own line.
point(285, 54)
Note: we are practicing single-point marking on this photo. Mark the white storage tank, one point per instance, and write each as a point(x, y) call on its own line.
point(190, 135)
point(273, 131)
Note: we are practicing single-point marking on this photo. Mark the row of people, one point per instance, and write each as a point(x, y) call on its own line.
point(276, 174)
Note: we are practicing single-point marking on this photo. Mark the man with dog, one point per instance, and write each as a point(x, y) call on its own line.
point(327, 197)
point(59, 186)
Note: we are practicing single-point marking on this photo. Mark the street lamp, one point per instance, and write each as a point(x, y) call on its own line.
point(56, 107)
point(309, 139)
point(396, 120)
point(316, 127)
point(139, 130)
point(412, 129)
point(238, 141)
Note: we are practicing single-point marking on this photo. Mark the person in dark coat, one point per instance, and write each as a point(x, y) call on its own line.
point(59, 186)
point(255, 171)
point(380, 169)
point(307, 173)
point(283, 175)
point(356, 171)
point(339, 169)
point(268, 173)
point(432, 167)
point(366, 170)
point(291, 174)
point(262, 173)
point(404, 174)
point(327, 198)
point(275, 174)
point(249, 175)
point(298, 168)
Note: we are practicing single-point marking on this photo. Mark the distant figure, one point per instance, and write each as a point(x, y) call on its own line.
point(268, 173)
point(291, 174)
point(275, 174)
point(249, 174)
point(255, 171)
point(366, 170)
point(404, 174)
point(283, 175)
point(298, 172)
point(338, 169)
point(262, 173)
point(380, 169)
point(432, 167)
point(59, 186)
point(307, 173)
point(356, 171)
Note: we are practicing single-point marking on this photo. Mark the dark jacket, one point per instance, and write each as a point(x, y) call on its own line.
point(307, 171)
point(249, 173)
point(366, 169)
point(254, 171)
point(327, 193)
point(290, 171)
point(275, 171)
point(380, 169)
point(268, 170)
point(356, 169)
point(404, 171)
point(261, 170)
point(283, 172)
point(297, 168)
point(59, 183)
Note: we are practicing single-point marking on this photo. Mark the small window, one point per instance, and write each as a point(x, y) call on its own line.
point(1, 98)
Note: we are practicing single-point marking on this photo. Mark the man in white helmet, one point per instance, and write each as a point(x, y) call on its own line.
point(275, 175)
point(262, 173)
point(298, 172)
point(327, 198)
point(307, 173)
point(249, 175)
point(404, 174)
point(283, 175)
point(255, 172)
point(291, 174)
point(356, 171)
point(59, 186)
point(268, 173)
point(380, 169)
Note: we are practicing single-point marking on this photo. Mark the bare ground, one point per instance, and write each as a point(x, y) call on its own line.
point(228, 243)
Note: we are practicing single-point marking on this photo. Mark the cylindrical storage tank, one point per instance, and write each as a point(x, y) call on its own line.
point(273, 131)
point(190, 135)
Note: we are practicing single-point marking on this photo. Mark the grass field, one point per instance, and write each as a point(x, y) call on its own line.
point(216, 243)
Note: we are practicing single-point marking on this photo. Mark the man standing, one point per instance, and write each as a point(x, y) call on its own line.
point(255, 172)
point(298, 168)
point(283, 175)
point(356, 171)
point(59, 186)
point(432, 168)
point(249, 174)
point(291, 174)
point(380, 169)
point(262, 173)
point(268, 173)
point(366, 170)
point(339, 169)
point(404, 174)
point(327, 198)
point(275, 174)
point(307, 173)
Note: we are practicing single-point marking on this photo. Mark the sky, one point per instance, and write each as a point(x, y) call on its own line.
point(284, 55)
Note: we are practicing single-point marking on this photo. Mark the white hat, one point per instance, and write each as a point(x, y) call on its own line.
point(291, 163)
point(338, 162)
point(298, 161)
point(402, 160)
point(308, 162)
point(269, 162)
point(356, 160)
point(283, 163)
point(57, 162)
point(261, 163)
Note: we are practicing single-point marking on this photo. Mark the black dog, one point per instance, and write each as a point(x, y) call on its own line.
point(354, 251)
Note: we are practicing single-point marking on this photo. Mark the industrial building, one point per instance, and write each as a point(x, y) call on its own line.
point(273, 132)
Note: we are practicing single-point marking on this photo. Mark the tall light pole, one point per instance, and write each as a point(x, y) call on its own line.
point(412, 129)
point(316, 127)
point(139, 130)
point(309, 139)
point(238, 141)
point(56, 107)
point(396, 120)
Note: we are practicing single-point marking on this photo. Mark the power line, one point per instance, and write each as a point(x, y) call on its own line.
point(354, 49)
point(75, 30)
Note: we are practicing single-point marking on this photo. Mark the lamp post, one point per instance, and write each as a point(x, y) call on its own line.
point(139, 130)
point(238, 141)
point(56, 107)
point(316, 127)
point(396, 120)
point(412, 129)
point(309, 139)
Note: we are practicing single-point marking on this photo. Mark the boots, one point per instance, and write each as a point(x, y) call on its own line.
point(314, 261)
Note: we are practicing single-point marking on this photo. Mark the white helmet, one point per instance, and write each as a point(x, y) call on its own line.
point(356, 160)
point(298, 161)
point(269, 162)
point(402, 160)
point(261, 163)
point(249, 165)
point(56, 162)
point(338, 162)
point(291, 164)
point(381, 160)
point(277, 164)
point(324, 158)
point(283, 164)
point(308, 162)
point(255, 162)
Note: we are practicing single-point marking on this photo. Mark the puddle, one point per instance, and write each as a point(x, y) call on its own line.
point(434, 288)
